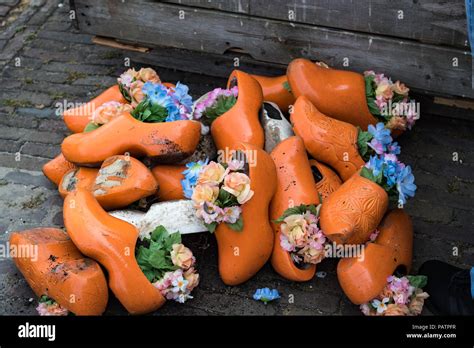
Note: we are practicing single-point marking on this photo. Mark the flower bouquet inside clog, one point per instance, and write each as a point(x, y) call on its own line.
point(168, 264)
point(401, 297)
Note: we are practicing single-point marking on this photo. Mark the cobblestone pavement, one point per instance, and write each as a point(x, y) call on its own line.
point(43, 60)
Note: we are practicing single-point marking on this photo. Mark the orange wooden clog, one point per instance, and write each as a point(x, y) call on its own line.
point(54, 267)
point(363, 280)
point(169, 180)
point(74, 179)
point(326, 180)
point(76, 119)
point(111, 242)
point(295, 186)
point(327, 140)
point(242, 254)
point(120, 181)
point(276, 90)
point(55, 169)
point(164, 142)
point(353, 212)
point(240, 123)
point(337, 93)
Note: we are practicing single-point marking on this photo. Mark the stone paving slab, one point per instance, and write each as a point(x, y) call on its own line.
point(44, 61)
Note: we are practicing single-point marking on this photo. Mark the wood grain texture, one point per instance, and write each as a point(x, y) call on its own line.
point(430, 21)
point(434, 69)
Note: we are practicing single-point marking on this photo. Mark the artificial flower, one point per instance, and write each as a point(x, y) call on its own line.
point(192, 278)
point(405, 184)
point(128, 77)
point(266, 295)
point(193, 169)
point(212, 174)
point(294, 227)
point(209, 212)
point(205, 193)
point(51, 309)
point(384, 90)
point(380, 306)
point(400, 88)
point(182, 256)
point(238, 184)
point(136, 92)
point(230, 215)
point(108, 111)
point(380, 133)
point(148, 74)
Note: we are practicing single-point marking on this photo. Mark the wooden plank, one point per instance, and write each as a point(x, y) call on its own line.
point(114, 44)
point(441, 70)
point(237, 6)
point(430, 21)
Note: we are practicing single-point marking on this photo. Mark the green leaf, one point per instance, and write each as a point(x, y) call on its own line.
point(226, 199)
point(221, 106)
point(157, 259)
point(173, 238)
point(211, 227)
point(238, 225)
point(46, 299)
point(373, 108)
point(145, 111)
point(300, 209)
point(362, 139)
point(418, 281)
point(367, 173)
point(286, 86)
point(90, 127)
point(369, 86)
point(159, 234)
point(125, 93)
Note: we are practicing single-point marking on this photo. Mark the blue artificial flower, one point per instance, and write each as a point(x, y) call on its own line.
point(157, 94)
point(174, 113)
point(390, 172)
point(187, 188)
point(375, 164)
point(182, 97)
point(405, 184)
point(266, 295)
point(193, 170)
point(393, 148)
point(380, 133)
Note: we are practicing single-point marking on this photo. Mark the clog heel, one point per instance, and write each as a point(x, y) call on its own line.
point(169, 180)
point(339, 94)
point(111, 242)
point(295, 186)
point(55, 169)
point(327, 140)
point(241, 122)
point(276, 90)
point(363, 280)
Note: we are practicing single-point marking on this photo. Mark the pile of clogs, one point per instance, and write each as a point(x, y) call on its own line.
point(313, 160)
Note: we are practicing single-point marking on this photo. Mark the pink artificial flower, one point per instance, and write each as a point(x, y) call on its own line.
point(381, 103)
point(54, 309)
point(231, 214)
point(235, 165)
point(373, 236)
point(209, 212)
point(369, 73)
point(376, 146)
point(285, 243)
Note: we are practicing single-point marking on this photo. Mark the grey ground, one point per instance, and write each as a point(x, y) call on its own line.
point(57, 63)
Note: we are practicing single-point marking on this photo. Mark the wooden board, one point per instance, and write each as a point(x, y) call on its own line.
point(437, 70)
point(431, 21)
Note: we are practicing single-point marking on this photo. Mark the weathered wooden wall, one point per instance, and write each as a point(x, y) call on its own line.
point(424, 45)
